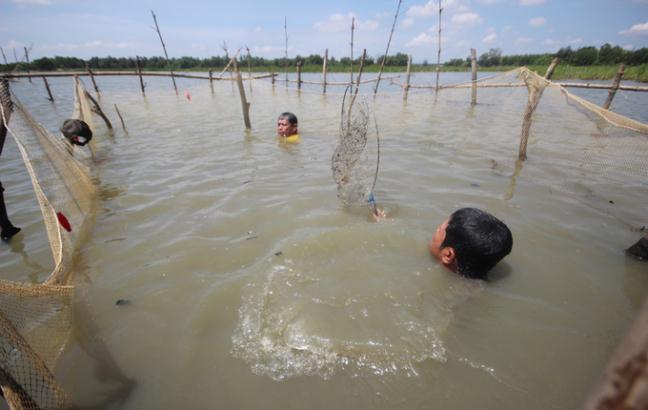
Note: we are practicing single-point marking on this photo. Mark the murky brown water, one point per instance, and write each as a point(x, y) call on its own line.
point(251, 286)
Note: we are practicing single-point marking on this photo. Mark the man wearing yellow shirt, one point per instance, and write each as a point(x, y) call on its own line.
point(287, 127)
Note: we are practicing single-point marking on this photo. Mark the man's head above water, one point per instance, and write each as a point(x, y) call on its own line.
point(470, 242)
point(287, 124)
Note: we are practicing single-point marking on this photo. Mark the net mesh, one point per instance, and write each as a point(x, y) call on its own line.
point(36, 318)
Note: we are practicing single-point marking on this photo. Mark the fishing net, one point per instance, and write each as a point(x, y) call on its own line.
point(356, 158)
point(36, 319)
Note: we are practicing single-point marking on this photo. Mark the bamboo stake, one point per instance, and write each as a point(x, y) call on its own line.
point(299, 70)
point(27, 60)
point(139, 73)
point(382, 63)
point(535, 94)
point(7, 107)
point(211, 81)
point(97, 110)
point(358, 82)
point(438, 67)
point(47, 87)
point(615, 87)
point(286, 49)
point(406, 87)
point(157, 28)
point(249, 58)
point(130, 73)
point(351, 61)
point(245, 105)
point(94, 83)
point(4, 57)
point(473, 68)
point(325, 70)
point(120, 118)
point(273, 78)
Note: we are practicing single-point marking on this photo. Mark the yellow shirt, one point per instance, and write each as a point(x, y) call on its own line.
point(292, 139)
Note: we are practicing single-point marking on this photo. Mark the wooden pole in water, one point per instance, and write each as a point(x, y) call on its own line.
point(249, 61)
point(157, 28)
point(406, 87)
point(273, 78)
point(120, 118)
point(94, 83)
point(438, 67)
point(47, 87)
point(473, 68)
point(211, 80)
point(27, 61)
point(391, 33)
point(615, 87)
point(325, 70)
point(299, 70)
point(139, 73)
point(97, 110)
point(351, 60)
point(533, 100)
point(7, 108)
point(4, 57)
point(245, 105)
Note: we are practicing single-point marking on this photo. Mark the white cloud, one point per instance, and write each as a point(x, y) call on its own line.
point(422, 39)
point(89, 45)
point(339, 22)
point(265, 50)
point(467, 18)
point(490, 38)
point(487, 2)
point(523, 40)
point(565, 42)
point(628, 47)
point(531, 2)
point(537, 22)
point(425, 10)
point(407, 23)
point(32, 2)
point(636, 30)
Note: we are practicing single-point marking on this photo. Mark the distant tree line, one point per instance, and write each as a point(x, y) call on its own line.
point(183, 63)
point(584, 56)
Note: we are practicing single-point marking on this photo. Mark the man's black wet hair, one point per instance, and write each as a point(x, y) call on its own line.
point(74, 128)
point(292, 118)
point(479, 240)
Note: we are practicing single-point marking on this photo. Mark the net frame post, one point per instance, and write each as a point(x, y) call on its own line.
point(615, 86)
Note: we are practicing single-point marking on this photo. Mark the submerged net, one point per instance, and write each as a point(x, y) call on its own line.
point(354, 163)
point(36, 319)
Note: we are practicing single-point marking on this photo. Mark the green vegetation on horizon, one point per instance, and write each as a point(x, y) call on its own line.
point(588, 63)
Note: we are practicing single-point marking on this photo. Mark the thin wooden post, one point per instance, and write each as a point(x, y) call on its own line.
point(351, 61)
point(473, 68)
point(4, 57)
point(245, 105)
point(286, 49)
point(157, 28)
point(27, 60)
point(120, 118)
point(551, 68)
point(7, 108)
point(325, 70)
point(211, 80)
point(47, 87)
point(97, 110)
point(535, 93)
point(299, 70)
point(249, 61)
point(438, 67)
point(139, 73)
point(615, 87)
point(382, 63)
point(94, 83)
point(273, 78)
point(406, 87)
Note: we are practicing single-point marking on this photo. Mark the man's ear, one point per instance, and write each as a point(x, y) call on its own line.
point(448, 256)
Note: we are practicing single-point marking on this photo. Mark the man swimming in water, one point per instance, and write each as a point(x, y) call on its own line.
point(470, 242)
point(287, 127)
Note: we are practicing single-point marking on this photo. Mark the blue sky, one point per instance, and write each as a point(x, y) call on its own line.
point(86, 28)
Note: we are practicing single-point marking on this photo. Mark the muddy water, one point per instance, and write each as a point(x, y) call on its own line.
point(245, 283)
